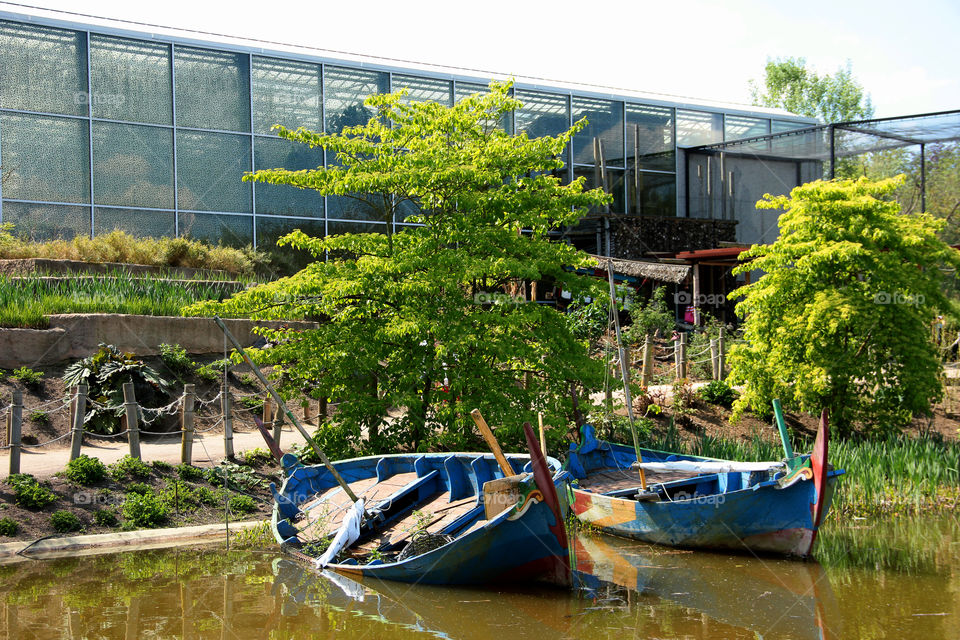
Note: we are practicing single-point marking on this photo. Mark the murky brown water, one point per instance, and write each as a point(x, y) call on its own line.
point(897, 579)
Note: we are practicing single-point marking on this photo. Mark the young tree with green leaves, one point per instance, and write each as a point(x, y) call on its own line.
point(841, 318)
point(426, 321)
point(789, 84)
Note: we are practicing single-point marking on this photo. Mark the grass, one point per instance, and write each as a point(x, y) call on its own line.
point(119, 246)
point(25, 302)
point(896, 476)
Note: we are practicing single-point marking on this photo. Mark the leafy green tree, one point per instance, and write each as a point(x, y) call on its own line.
point(841, 319)
point(788, 84)
point(428, 320)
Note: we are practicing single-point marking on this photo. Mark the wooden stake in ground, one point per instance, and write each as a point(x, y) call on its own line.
point(79, 411)
point(16, 426)
point(186, 424)
point(130, 417)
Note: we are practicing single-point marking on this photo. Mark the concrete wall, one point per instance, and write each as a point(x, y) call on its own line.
point(72, 336)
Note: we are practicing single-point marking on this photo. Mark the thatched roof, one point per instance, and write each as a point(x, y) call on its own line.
point(660, 271)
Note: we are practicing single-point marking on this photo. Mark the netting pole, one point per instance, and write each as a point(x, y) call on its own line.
point(186, 424)
point(130, 414)
point(79, 412)
point(16, 425)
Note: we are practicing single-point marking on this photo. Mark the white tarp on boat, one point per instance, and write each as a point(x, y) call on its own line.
point(706, 466)
point(347, 534)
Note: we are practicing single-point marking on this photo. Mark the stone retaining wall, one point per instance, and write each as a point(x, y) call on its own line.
point(77, 335)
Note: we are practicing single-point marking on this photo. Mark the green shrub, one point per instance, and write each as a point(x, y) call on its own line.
point(29, 493)
point(147, 510)
point(8, 527)
point(131, 467)
point(40, 417)
point(181, 496)
point(160, 465)
point(256, 457)
point(718, 392)
point(105, 518)
point(86, 470)
point(233, 475)
point(253, 403)
point(189, 472)
point(28, 377)
point(211, 372)
point(242, 504)
point(208, 497)
point(64, 521)
point(176, 359)
point(138, 488)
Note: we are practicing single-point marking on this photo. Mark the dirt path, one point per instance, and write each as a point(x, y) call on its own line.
point(208, 449)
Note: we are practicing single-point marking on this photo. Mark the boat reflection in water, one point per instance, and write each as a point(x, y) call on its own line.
point(623, 586)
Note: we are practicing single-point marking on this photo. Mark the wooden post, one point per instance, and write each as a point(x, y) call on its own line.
point(79, 411)
point(308, 416)
point(714, 359)
point(647, 371)
point(133, 424)
point(225, 630)
point(682, 353)
point(276, 417)
point(225, 402)
point(722, 353)
point(16, 426)
point(186, 424)
point(132, 630)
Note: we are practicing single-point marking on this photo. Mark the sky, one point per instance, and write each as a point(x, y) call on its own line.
point(905, 54)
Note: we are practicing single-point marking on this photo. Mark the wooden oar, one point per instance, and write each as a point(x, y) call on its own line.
point(792, 461)
point(543, 437)
point(492, 443)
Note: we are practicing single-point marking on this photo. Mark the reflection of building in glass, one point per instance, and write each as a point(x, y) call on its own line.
point(105, 128)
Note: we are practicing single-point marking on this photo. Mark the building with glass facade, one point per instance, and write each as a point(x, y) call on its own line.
point(103, 128)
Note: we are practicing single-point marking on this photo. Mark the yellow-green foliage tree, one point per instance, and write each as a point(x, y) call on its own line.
point(422, 320)
point(841, 319)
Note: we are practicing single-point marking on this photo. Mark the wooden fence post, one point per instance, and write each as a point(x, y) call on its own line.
point(682, 353)
point(16, 425)
point(714, 359)
point(308, 416)
point(321, 410)
point(722, 353)
point(79, 411)
point(186, 424)
point(133, 422)
point(225, 402)
point(646, 373)
point(277, 419)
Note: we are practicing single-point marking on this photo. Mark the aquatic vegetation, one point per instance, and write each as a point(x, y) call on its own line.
point(257, 537)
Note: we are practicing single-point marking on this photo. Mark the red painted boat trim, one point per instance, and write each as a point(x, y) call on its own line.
point(818, 461)
point(544, 479)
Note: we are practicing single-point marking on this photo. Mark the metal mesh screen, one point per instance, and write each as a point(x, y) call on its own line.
point(542, 114)
point(155, 224)
point(48, 157)
point(606, 123)
point(132, 165)
point(130, 80)
point(269, 230)
point(287, 93)
point(272, 153)
point(345, 90)
point(424, 89)
point(213, 89)
point(47, 221)
point(43, 69)
point(231, 231)
point(210, 167)
point(335, 227)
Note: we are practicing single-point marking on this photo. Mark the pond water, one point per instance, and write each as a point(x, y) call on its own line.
point(892, 579)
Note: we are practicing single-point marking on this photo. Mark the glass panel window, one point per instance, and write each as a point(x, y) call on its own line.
point(287, 93)
point(132, 165)
point(424, 89)
point(344, 93)
point(213, 89)
point(153, 224)
point(286, 259)
point(542, 114)
point(231, 231)
point(131, 80)
point(336, 228)
point(698, 127)
point(48, 158)
point(658, 194)
point(43, 69)
point(356, 208)
point(779, 126)
point(42, 222)
point(463, 90)
point(612, 183)
point(210, 167)
point(650, 137)
point(271, 153)
point(736, 127)
point(605, 123)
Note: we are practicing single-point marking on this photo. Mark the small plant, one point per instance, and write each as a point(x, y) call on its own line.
point(253, 403)
point(682, 402)
point(242, 504)
point(138, 488)
point(29, 493)
point(8, 527)
point(86, 470)
point(421, 520)
point(189, 472)
point(256, 537)
point(176, 359)
point(257, 457)
point(207, 497)
point(211, 372)
point(181, 496)
point(30, 378)
point(228, 474)
point(105, 518)
point(147, 510)
point(247, 379)
point(129, 467)
point(160, 465)
point(718, 392)
point(40, 417)
point(64, 521)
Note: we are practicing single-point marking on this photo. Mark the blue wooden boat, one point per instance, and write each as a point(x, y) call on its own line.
point(755, 507)
point(435, 518)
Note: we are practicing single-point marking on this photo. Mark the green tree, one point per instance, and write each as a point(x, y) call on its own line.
point(841, 319)
point(427, 320)
point(789, 84)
